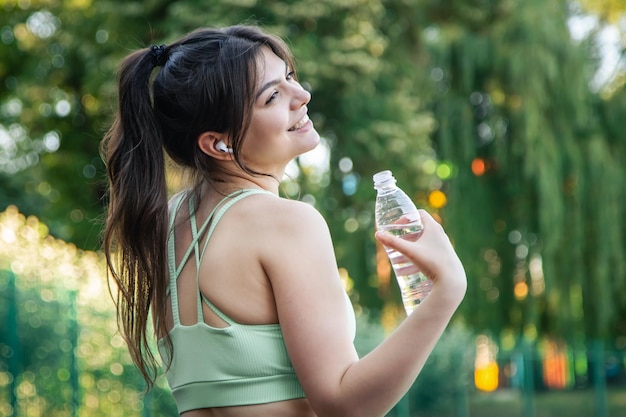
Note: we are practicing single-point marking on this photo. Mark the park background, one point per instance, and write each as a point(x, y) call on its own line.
point(506, 119)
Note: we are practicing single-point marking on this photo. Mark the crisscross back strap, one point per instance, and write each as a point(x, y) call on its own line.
point(212, 220)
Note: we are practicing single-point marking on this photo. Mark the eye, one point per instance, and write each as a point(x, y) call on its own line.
point(291, 75)
point(271, 97)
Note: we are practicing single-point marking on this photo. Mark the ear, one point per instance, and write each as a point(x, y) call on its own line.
point(208, 144)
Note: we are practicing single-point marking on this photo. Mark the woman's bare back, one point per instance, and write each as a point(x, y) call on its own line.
point(291, 408)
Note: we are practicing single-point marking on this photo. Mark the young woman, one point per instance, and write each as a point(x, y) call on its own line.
point(242, 285)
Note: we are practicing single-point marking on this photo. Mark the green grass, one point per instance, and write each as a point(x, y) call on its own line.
point(509, 403)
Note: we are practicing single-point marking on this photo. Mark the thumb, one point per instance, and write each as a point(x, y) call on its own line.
point(394, 242)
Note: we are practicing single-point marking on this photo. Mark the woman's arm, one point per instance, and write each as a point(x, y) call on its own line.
point(300, 262)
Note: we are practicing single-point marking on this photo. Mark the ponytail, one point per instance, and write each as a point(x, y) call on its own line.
point(136, 227)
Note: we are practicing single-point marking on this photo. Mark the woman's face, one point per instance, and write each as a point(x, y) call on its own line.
point(280, 128)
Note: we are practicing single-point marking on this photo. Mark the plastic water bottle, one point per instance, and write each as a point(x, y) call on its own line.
point(396, 214)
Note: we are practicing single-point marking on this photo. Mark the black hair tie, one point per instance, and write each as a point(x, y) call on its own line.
point(159, 58)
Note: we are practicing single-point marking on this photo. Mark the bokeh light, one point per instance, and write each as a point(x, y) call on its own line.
point(437, 199)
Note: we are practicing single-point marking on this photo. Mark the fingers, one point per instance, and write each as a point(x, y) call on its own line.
point(429, 221)
point(406, 247)
point(394, 242)
point(430, 252)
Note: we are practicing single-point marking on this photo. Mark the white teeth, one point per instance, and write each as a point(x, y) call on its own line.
point(301, 123)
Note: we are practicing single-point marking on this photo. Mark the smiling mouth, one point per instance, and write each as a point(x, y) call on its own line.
point(300, 124)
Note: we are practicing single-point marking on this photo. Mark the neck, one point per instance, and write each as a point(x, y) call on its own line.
point(227, 183)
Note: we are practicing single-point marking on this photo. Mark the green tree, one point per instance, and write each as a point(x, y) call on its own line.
point(536, 203)
point(487, 101)
point(57, 79)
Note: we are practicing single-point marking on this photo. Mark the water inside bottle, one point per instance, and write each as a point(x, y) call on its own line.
point(414, 285)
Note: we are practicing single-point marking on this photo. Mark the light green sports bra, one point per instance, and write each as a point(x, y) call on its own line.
point(219, 367)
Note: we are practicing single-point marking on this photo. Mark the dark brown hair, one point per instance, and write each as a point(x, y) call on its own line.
point(206, 83)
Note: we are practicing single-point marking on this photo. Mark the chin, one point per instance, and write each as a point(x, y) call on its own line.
point(304, 143)
point(313, 141)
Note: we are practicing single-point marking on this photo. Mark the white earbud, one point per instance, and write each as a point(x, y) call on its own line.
point(221, 146)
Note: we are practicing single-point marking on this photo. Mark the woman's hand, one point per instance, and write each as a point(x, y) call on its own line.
point(433, 254)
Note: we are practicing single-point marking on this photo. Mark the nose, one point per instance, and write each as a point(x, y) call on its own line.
point(301, 97)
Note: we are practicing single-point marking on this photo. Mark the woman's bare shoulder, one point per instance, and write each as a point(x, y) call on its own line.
point(284, 216)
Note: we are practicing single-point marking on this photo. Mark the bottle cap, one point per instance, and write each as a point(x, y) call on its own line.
point(383, 179)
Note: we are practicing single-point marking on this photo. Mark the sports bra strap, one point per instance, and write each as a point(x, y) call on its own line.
point(196, 238)
point(217, 311)
point(212, 219)
point(171, 259)
point(243, 193)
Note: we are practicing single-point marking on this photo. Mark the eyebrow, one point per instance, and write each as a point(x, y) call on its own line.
point(270, 83)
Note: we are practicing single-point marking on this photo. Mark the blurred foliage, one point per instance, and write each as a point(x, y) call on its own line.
point(446, 376)
point(60, 353)
point(546, 241)
point(482, 108)
point(608, 10)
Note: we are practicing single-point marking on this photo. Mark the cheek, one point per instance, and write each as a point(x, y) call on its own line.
point(268, 126)
point(263, 136)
